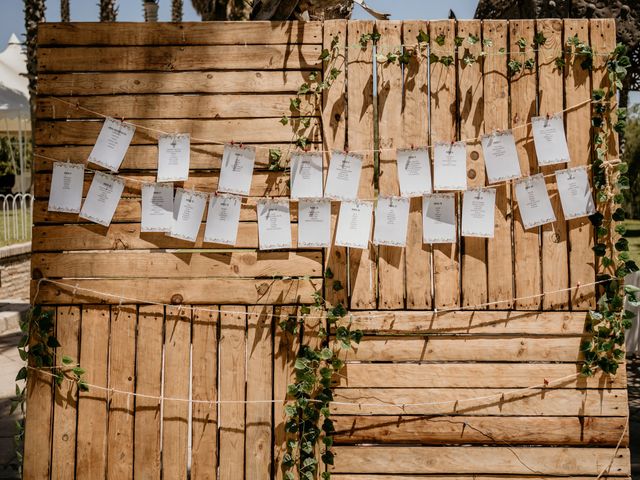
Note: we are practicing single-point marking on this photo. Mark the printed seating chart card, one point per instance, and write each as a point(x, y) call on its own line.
point(450, 166)
point(306, 175)
point(314, 222)
point(550, 140)
point(188, 211)
point(439, 218)
point(223, 219)
point(343, 176)
point(274, 224)
point(354, 224)
point(237, 169)
point(575, 193)
point(67, 183)
point(392, 218)
point(112, 144)
point(478, 212)
point(102, 199)
point(157, 207)
point(500, 156)
point(414, 171)
point(173, 157)
point(533, 201)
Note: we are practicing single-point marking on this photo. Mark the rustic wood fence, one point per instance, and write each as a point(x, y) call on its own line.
point(233, 81)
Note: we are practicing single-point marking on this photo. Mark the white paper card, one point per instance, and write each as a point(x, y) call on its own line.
point(187, 214)
point(439, 218)
point(533, 201)
point(392, 218)
point(550, 140)
point(174, 152)
point(478, 212)
point(157, 207)
point(102, 199)
point(306, 175)
point(223, 219)
point(67, 182)
point(414, 172)
point(500, 156)
point(354, 224)
point(112, 144)
point(237, 169)
point(314, 222)
point(274, 224)
point(343, 177)
point(575, 193)
point(450, 166)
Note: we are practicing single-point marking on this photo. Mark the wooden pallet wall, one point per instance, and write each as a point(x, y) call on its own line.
point(464, 364)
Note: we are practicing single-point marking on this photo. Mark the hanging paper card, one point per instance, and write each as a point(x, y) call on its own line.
point(306, 175)
point(500, 156)
point(550, 140)
point(173, 157)
point(450, 166)
point(157, 207)
point(112, 144)
point(354, 224)
point(187, 214)
point(67, 182)
point(314, 222)
point(343, 177)
point(392, 218)
point(533, 201)
point(237, 169)
point(439, 218)
point(274, 224)
point(223, 219)
point(102, 199)
point(414, 171)
point(478, 210)
point(575, 193)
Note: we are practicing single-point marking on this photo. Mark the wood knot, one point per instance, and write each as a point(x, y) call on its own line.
point(176, 299)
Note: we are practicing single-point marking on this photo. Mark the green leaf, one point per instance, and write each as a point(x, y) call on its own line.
point(522, 43)
point(560, 63)
point(325, 55)
point(22, 374)
point(422, 37)
point(600, 249)
point(472, 39)
point(328, 273)
point(539, 39)
point(284, 120)
point(469, 59)
point(337, 286)
point(327, 457)
point(326, 353)
point(457, 41)
point(502, 50)
point(622, 245)
point(446, 60)
point(304, 88)
point(440, 39)
point(530, 64)
point(514, 66)
point(487, 42)
point(52, 342)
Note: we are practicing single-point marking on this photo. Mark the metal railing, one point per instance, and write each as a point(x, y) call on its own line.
point(16, 214)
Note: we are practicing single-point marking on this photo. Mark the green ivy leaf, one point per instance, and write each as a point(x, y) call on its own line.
point(457, 41)
point(440, 39)
point(539, 39)
point(325, 55)
point(522, 43)
point(422, 37)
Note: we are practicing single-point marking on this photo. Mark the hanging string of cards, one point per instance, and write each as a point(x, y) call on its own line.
point(179, 212)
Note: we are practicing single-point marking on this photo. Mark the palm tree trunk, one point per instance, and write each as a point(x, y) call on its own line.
point(176, 11)
point(108, 10)
point(65, 12)
point(33, 14)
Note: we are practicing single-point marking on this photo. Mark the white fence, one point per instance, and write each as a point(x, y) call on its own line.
point(16, 217)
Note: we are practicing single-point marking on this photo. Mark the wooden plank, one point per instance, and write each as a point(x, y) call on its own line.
point(469, 375)
point(523, 106)
point(204, 439)
point(496, 116)
point(334, 130)
point(407, 429)
point(362, 263)
point(65, 409)
point(259, 388)
point(122, 357)
point(355, 476)
point(481, 401)
point(494, 323)
point(175, 414)
point(182, 58)
point(503, 460)
point(232, 374)
point(148, 382)
point(471, 100)
point(84, 132)
point(415, 118)
point(184, 33)
point(577, 89)
point(187, 291)
point(91, 446)
point(463, 348)
point(391, 260)
point(446, 264)
point(163, 264)
point(129, 83)
point(174, 106)
point(555, 272)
